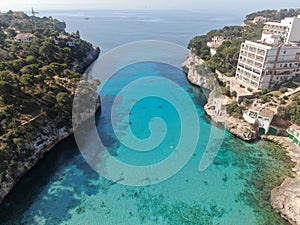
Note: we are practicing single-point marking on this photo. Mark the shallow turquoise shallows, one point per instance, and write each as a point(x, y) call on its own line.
point(63, 189)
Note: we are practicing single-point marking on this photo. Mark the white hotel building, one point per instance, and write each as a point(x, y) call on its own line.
point(273, 59)
point(288, 30)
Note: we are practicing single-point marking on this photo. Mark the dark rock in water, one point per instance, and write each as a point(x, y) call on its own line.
point(225, 178)
point(80, 210)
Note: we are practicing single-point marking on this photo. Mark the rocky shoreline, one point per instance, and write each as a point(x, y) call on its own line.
point(285, 199)
point(48, 138)
point(215, 104)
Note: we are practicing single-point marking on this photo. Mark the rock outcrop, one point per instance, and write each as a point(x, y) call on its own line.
point(241, 128)
point(286, 200)
point(93, 54)
point(198, 74)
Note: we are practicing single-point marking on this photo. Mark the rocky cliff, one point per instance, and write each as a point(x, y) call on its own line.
point(198, 74)
point(44, 140)
point(88, 60)
point(45, 137)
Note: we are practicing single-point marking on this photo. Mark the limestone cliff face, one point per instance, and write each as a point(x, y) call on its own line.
point(286, 200)
point(44, 140)
point(197, 73)
point(200, 75)
point(45, 137)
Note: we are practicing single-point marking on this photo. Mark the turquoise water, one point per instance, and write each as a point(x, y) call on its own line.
point(63, 189)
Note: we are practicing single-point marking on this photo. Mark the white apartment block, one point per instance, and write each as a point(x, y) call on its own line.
point(288, 30)
point(262, 65)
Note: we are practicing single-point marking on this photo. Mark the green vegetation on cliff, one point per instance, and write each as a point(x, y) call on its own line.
point(273, 15)
point(292, 111)
point(38, 77)
point(226, 57)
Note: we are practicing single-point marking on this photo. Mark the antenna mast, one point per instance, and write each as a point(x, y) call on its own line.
point(33, 14)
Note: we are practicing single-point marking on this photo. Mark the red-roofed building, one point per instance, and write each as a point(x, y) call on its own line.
point(24, 37)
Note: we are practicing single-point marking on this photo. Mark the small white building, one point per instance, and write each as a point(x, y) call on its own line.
point(24, 37)
point(70, 43)
point(260, 19)
point(294, 133)
point(261, 115)
point(264, 119)
point(213, 47)
point(216, 42)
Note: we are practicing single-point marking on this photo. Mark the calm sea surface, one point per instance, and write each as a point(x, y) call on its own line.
point(63, 189)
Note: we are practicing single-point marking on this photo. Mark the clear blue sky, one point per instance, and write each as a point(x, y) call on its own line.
point(244, 5)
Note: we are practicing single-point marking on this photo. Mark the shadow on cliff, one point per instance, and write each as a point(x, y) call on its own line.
point(51, 190)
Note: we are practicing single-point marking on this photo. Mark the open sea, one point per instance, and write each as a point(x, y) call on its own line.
point(64, 190)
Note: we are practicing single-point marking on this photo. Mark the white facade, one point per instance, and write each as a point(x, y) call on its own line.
point(288, 30)
point(24, 37)
point(262, 66)
point(70, 43)
point(261, 115)
point(294, 133)
point(216, 42)
point(260, 19)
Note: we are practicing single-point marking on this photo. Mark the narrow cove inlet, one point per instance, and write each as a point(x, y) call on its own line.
point(65, 190)
point(150, 153)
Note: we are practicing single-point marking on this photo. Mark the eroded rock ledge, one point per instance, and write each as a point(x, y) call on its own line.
point(240, 128)
point(199, 75)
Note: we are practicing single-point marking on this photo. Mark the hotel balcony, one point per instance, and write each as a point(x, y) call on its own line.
point(250, 76)
point(261, 52)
